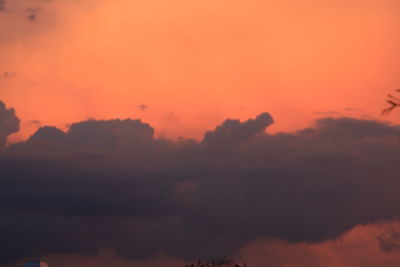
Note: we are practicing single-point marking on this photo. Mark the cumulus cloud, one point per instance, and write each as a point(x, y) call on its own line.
point(48, 134)
point(112, 184)
point(112, 133)
point(98, 134)
point(9, 123)
point(232, 131)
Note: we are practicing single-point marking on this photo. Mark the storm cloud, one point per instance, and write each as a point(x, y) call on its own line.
point(111, 184)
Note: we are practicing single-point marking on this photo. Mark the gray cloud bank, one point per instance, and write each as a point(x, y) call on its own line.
point(113, 185)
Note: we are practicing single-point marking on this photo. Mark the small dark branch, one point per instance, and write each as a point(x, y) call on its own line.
point(393, 102)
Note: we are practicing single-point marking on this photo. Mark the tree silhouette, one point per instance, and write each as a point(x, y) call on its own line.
point(224, 262)
point(394, 102)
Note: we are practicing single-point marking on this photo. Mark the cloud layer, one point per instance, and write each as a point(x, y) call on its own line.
point(112, 185)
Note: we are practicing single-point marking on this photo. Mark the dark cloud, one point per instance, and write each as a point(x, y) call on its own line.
point(232, 131)
point(113, 185)
point(110, 134)
point(48, 134)
point(9, 123)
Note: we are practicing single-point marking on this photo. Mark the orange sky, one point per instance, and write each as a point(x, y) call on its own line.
point(195, 63)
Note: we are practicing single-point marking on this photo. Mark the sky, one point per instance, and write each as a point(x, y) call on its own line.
point(152, 133)
point(186, 66)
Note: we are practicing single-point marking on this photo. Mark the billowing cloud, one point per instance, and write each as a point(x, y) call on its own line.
point(111, 184)
point(9, 123)
point(232, 131)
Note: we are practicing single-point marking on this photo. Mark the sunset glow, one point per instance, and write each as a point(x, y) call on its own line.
point(152, 133)
point(195, 63)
